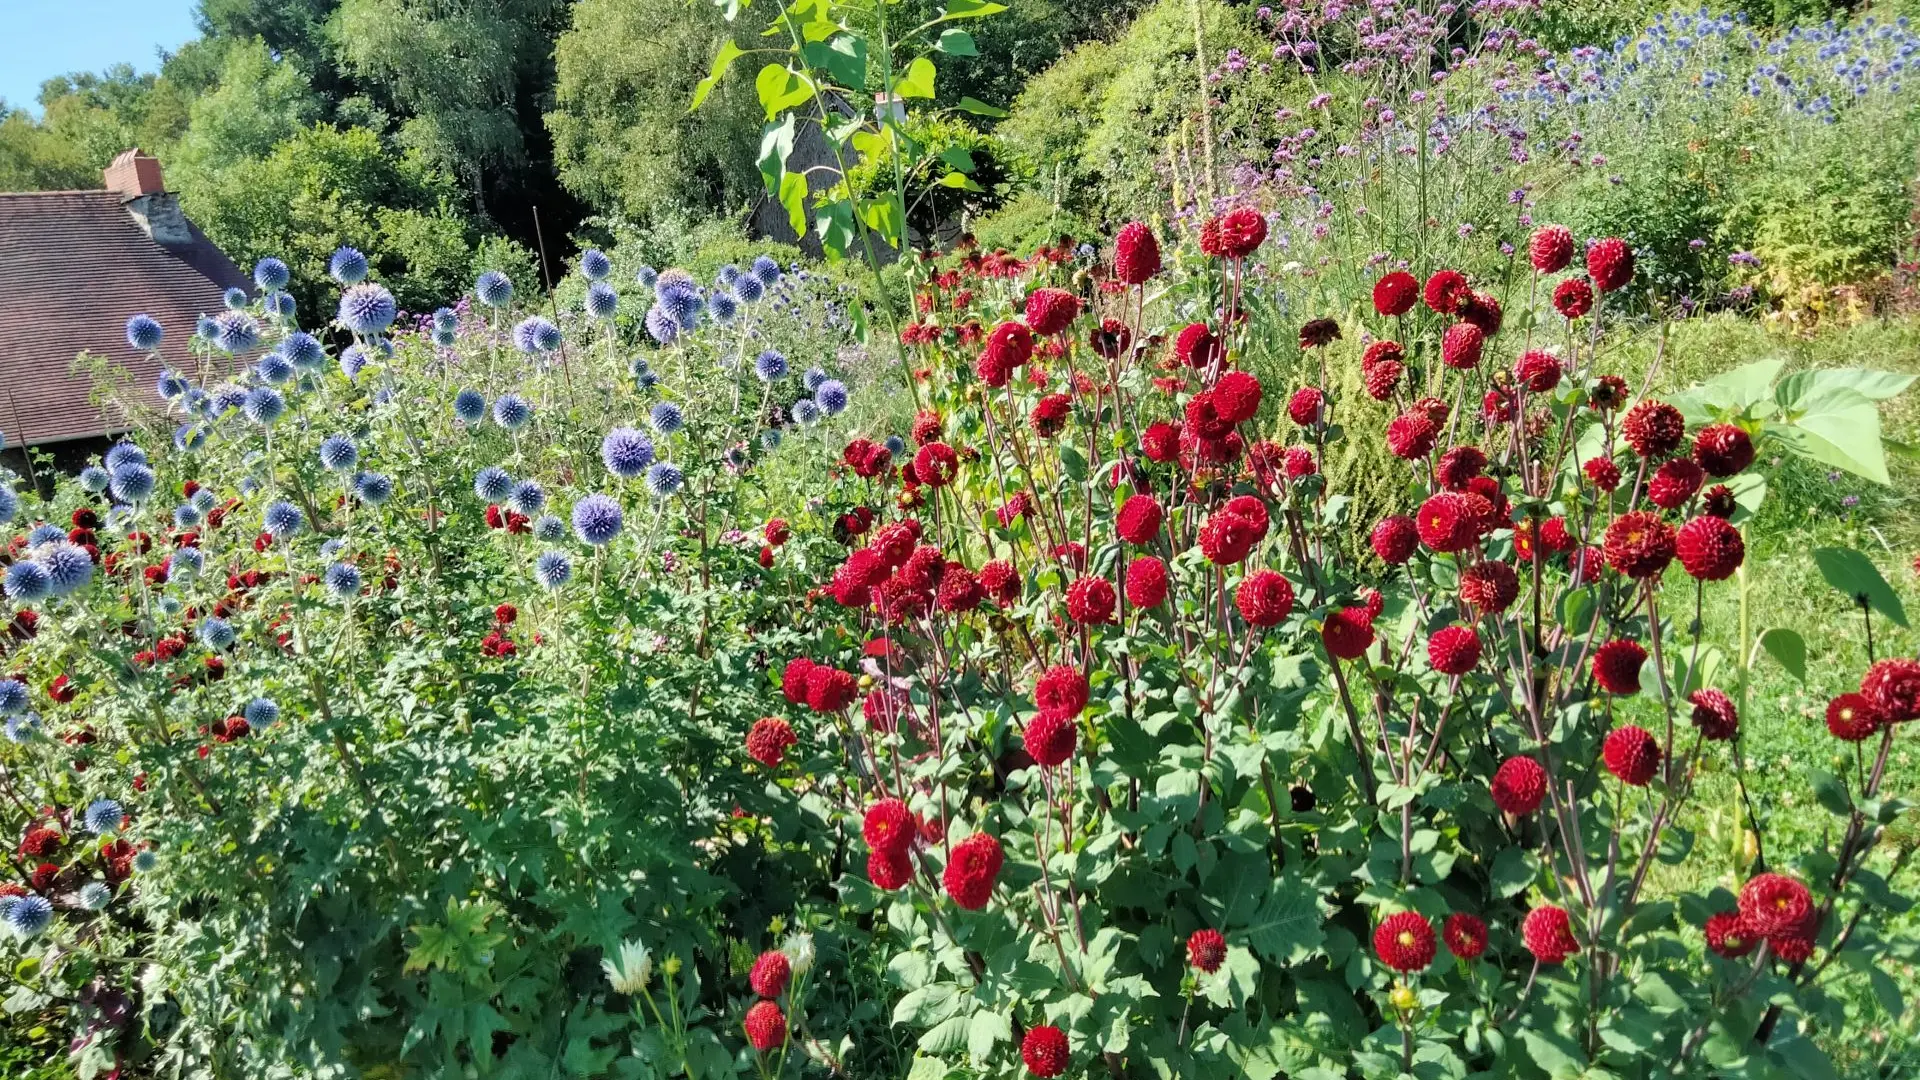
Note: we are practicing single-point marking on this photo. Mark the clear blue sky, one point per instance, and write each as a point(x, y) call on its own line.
point(43, 38)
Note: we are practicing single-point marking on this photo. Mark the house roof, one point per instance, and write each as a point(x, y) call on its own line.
point(74, 267)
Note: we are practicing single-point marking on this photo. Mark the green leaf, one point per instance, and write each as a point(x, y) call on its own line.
point(971, 9)
point(979, 108)
point(793, 196)
point(1830, 792)
point(956, 43)
point(844, 57)
point(959, 180)
point(722, 60)
point(918, 80)
point(1728, 394)
point(1787, 648)
point(776, 144)
point(1513, 870)
point(947, 1037)
point(987, 1028)
point(958, 157)
point(1749, 491)
point(1074, 462)
point(780, 88)
point(1809, 386)
point(834, 223)
point(1805, 1061)
point(1855, 576)
point(1287, 928)
point(1841, 427)
point(1555, 1053)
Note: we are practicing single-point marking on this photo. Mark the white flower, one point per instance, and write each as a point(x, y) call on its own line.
point(633, 970)
point(799, 950)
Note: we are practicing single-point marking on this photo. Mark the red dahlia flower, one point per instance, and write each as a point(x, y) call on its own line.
point(1610, 264)
point(972, 869)
point(1146, 582)
point(1383, 378)
point(1518, 785)
point(959, 590)
point(1653, 428)
point(1727, 934)
point(1264, 598)
point(830, 690)
point(1444, 522)
point(1394, 539)
point(1616, 666)
point(1044, 1050)
point(1240, 232)
point(926, 427)
point(1000, 581)
point(1206, 949)
point(1236, 397)
point(1850, 717)
point(1139, 520)
point(770, 974)
point(1709, 548)
point(1049, 738)
point(1461, 346)
point(1602, 473)
point(890, 870)
point(1674, 482)
point(1466, 935)
point(1550, 249)
point(1458, 466)
point(1299, 462)
point(1453, 650)
point(768, 741)
point(936, 464)
point(1445, 290)
point(1109, 340)
point(1050, 415)
point(1010, 345)
point(1483, 311)
point(1160, 442)
point(1405, 941)
point(887, 826)
point(1538, 369)
point(1548, 933)
point(1226, 538)
point(1196, 345)
point(1347, 633)
point(1774, 904)
point(1723, 449)
point(1411, 436)
point(1051, 311)
point(1395, 293)
point(1319, 333)
point(1714, 714)
point(1490, 587)
point(1136, 253)
point(766, 1026)
point(1090, 601)
point(1304, 407)
point(1638, 544)
point(1573, 298)
point(1893, 688)
point(1632, 754)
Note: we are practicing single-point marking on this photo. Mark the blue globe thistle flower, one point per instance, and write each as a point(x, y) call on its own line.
point(343, 581)
point(93, 478)
point(660, 325)
point(647, 276)
point(205, 328)
point(304, 351)
point(332, 548)
point(27, 915)
point(597, 520)
point(727, 276)
point(647, 380)
point(185, 516)
point(896, 446)
point(185, 563)
point(204, 499)
point(812, 379)
point(94, 896)
point(664, 479)
point(549, 529)
point(22, 728)
point(45, 533)
point(469, 406)
point(216, 634)
point(527, 498)
point(445, 337)
point(353, 360)
point(264, 406)
point(372, 488)
point(492, 484)
point(235, 332)
point(552, 569)
point(494, 289)
point(667, 418)
point(535, 334)
point(69, 567)
point(270, 273)
point(261, 712)
point(196, 401)
point(770, 438)
point(672, 278)
point(594, 265)
point(682, 302)
point(103, 816)
point(767, 270)
point(9, 504)
point(806, 413)
point(348, 267)
point(226, 397)
point(446, 319)
point(367, 309)
point(132, 482)
point(511, 411)
point(283, 521)
point(146, 862)
point(602, 301)
point(748, 288)
point(236, 299)
point(144, 332)
point(13, 697)
point(626, 452)
point(249, 486)
point(831, 396)
point(280, 305)
point(770, 366)
point(170, 385)
point(274, 369)
point(723, 306)
point(638, 366)
point(338, 453)
point(189, 438)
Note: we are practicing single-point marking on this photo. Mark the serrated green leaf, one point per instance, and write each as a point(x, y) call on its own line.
point(1287, 928)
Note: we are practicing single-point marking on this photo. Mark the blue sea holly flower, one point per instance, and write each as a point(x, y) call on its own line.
point(22, 728)
point(806, 413)
point(767, 270)
point(723, 307)
point(748, 288)
point(185, 516)
point(343, 580)
point(727, 276)
point(261, 712)
point(348, 267)
point(664, 479)
point(812, 379)
point(280, 305)
point(205, 328)
point(896, 446)
point(367, 309)
point(216, 634)
point(549, 529)
point(372, 488)
point(283, 521)
point(660, 325)
point(132, 482)
point(831, 396)
point(304, 351)
point(9, 504)
point(204, 499)
point(494, 289)
point(94, 896)
point(594, 265)
point(270, 273)
point(646, 276)
point(103, 816)
point(235, 298)
point(188, 438)
point(535, 334)
point(596, 520)
point(511, 411)
point(469, 406)
point(264, 406)
point(13, 697)
point(602, 301)
point(226, 398)
point(274, 369)
point(27, 916)
point(626, 452)
point(45, 533)
point(185, 563)
point(353, 360)
point(552, 569)
point(94, 479)
point(446, 319)
point(492, 484)
point(170, 385)
point(445, 337)
point(527, 498)
point(235, 332)
point(144, 333)
point(770, 366)
point(338, 453)
point(666, 418)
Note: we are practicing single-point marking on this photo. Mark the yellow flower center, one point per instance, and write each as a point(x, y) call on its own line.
point(1406, 938)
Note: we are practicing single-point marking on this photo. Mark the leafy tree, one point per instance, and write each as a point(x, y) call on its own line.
point(259, 102)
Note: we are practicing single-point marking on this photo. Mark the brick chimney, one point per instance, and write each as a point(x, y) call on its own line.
point(135, 177)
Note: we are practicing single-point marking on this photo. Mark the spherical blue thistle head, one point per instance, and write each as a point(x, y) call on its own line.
point(511, 411)
point(170, 385)
point(45, 533)
point(146, 862)
point(646, 380)
point(748, 288)
point(831, 396)
point(469, 406)
point(225, 398)
point(626, 452)
point(723, 306)
point(494, 289)
point(535, 334)
point(338, 453)
point(353, 360)
point(264, 406)
point(22, 728)
point(236, 299)
point(727, 276)
point(261, 712)
point(132, 482)
point(9, 504)
point(492, 484)
point(348, 267)
point(896, 446)
point(283, 521)
point(552, 569)
point(372, 488)
point(13, 697)
point(343, 581)
point(367, 309)
point(812, 379)
point(235, 332)
point(446, 319)
point(189, 438)
point(94, 479)
point(204, 499)
point(304, 351)
point(144, 332)
point(549, 529)
point(94, 896)
point(770, 438)
point(102, 816)
point(638, 366)
point(216, 634)
point(767, 270)
point(806, 413)
point(185, 563)
point(196, 401)
point(597, 520)
point(681, 301)
point(274, 369)
point(594, 265)
point(770, 366)
point(647, 276)
point(27, 916)
point(280, 305)
point(186, 516)
point(664, 479)
point(445, 338)
point(69, 568)
point(660, 325)
point(527, 498)
point(270, 273)
point(602, 302)
point(205, 328)
point(666, 418)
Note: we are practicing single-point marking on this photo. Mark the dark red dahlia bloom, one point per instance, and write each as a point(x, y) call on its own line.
point(770, 974)
point(1518, 785)
point(1196, 345)
point(1631, 754)
point(1466, 935)
point(1049, 738)
point(766, 1026)
point(1550, 249)
point(887, 826)
point(1236, 397)
point(890, 870)
point(1000, 581)
point(1206, 949)
point(959, 590)
point(1602, 473)
point(1304, 407)
point(1146, 582)
point(936, 464)
point(1383, 378)
point(1727, 934)
point(1638, 544)
point(1405, 941)
point(1723, 449)
point(1461, 346)
point(830, 690)
point(1796, 945)
point(1348, 633)
point(1299, 462)
point(1674, 482)
point(1616, 666)
point(1240, 232)
point(1610, 264)
point(1090, 601)
point(1136, 253)
point(1264, 598)
point(1851, 717)
point(1709, 548)
point(1044, 1050)
point(1251, 508)
point(793, 680)
point(1483, 311)
point(1010, 344)
point(1653, 428)
point(1160, 442)
point(1538, 370)
point(1051, 311)
point(1139, 519)
point(1774, 904)
point(1060, 691)
point(1893, 687)
point(1395, 293)
point(1573, 298)
point(1445, 291)
point(1548, 934)
point(1227, 538)
point(1453, 650)
point(1394, 539)
point(1719, 502)
point(1444, 522)
point(1490, 587)
point(1714, 714)
point(1411, 435)
point(1318, 333)
point(1458, 466)
point(1607, 392)
point(926, 427)
point(1050, 415)
point(972, 869)
point(1110, 340)
point(1204, 419)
